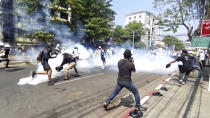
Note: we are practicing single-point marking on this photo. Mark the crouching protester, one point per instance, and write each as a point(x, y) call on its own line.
point(126, 67)
point(44, 56)
point(71, 61)
point(185, 68)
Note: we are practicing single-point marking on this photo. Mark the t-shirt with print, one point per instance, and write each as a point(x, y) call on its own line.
point(187, 61)
point(125, 68)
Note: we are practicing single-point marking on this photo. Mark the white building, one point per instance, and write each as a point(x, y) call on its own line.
point(149, 22)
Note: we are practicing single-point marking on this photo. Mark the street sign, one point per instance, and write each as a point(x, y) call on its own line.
point(205, 28)
point(200, 42)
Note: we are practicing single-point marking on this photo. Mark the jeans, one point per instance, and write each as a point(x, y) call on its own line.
point(198, 69)
point(130, 87)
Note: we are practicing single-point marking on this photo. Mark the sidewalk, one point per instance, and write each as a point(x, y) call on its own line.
point(182, 101)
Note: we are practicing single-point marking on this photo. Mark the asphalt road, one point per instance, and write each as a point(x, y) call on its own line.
point(76, 98)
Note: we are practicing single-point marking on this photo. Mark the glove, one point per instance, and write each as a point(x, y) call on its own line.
point(168, 65)
point(59, 68)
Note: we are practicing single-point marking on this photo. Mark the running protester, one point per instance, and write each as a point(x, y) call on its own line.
point(5, 57)
point(45, 55)
point(186, 66)
point(126, 67)
point(71, 61)
point(103, 58)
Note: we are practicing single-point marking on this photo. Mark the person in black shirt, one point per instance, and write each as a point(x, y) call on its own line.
point(126, 67)
point(184, 69)
point(6, 55)
point(68, 59)
point(46, 55)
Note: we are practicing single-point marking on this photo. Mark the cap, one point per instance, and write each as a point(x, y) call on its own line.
point(127, 53)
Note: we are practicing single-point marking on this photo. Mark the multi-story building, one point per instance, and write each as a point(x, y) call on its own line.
point(8, 25)
point(149, 22)
point(61, 15)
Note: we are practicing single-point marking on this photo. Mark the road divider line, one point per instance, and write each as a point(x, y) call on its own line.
point(67, 81)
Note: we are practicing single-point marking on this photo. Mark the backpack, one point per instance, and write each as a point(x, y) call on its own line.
point(188, 65)
point(39, 57)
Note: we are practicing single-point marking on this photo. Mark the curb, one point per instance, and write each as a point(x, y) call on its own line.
point(146, 98)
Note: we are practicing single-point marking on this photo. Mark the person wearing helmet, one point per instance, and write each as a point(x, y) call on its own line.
point(46, 54)
point(57, 49)
point(185, 68)
point(103, 58)
point(5, 57)
point(126, 67)
point(76, 52)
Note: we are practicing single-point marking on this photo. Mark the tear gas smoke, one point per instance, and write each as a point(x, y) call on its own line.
point(144, 62)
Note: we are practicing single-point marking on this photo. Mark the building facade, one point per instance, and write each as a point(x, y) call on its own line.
point(150, 26)
point(61, 15)
point(8, 23)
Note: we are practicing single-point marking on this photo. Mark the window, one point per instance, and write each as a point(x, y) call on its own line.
point(139, 21)
point(139, 16)
point(134, 17)
point(64, 15)
point(129, 18)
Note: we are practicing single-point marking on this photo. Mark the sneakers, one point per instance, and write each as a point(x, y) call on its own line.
point(105, 106)
point(183, 83)
point(50, 83)
point(136, 113)
point(33, 74)
point(180, 81)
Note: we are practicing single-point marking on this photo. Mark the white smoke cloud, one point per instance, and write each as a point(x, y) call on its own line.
point(144, 62)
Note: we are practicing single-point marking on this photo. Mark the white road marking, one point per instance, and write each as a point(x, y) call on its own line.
point(144, 99)
point(78, 79)
point(159, 87)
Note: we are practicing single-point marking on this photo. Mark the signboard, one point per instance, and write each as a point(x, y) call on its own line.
point(205, 28)
point(200, 42)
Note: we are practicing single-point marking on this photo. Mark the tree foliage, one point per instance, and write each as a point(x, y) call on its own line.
point(93, 17)
point(171, 41)
point(136, 28)
point(187, 13)
point(41, 36)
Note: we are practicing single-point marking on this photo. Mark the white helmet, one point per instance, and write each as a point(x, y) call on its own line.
point(7, 45)
point(58, 45)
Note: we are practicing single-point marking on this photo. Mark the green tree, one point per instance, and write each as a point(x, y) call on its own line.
point(92, 14)
point(120, 35)
point(137, 28)
point(93, 17)
point(174, 13)
point(173, 41)
point(41, 36)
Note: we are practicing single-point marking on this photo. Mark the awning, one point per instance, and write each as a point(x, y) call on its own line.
point(200, 42)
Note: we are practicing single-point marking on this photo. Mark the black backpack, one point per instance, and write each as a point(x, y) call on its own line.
point(188, 65)
point(39, 57)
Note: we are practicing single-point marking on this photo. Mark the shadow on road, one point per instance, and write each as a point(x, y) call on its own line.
point(11, 69)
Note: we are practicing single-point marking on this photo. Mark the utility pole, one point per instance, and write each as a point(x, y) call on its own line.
point(133, 38)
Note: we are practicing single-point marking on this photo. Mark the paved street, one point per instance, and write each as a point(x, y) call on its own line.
point(78, 97)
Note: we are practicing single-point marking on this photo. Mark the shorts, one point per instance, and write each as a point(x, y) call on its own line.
point(46, 66)
point(103, 59)
point(71, 65)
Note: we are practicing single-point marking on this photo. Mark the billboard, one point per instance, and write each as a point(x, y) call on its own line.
point(205, 28)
